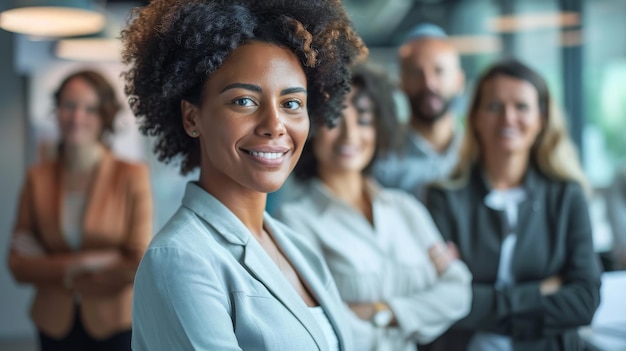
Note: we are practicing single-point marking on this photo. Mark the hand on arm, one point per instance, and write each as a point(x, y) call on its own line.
point(92, 273)
point(441, 255)
point(367, 310)
point(550, 285)
point(25, 244)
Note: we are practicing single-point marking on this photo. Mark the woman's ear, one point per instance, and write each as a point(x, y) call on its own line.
point(189, 114)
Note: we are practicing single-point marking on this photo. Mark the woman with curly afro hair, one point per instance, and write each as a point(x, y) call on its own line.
point(228, 86)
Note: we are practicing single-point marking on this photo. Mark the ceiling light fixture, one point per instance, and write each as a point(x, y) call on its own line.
point(52, 18)
point(90, 49)
point(476, 44)
point(533, 21)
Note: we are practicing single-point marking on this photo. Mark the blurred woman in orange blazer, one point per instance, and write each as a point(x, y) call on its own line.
point(83, 223)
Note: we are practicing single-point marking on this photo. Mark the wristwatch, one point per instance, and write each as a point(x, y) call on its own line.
point(382, 315)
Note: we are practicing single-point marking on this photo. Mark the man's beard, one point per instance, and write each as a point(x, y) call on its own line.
point(424, 114)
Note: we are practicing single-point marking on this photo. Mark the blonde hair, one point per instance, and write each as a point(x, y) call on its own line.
point(553, 152)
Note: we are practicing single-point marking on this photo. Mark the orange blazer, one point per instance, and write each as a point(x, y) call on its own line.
point(118, 216)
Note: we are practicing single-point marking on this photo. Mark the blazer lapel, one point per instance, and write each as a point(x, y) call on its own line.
point(51, 195)
point(261, 266)
point(255, 259)
point(316, 287)
point(98, 189)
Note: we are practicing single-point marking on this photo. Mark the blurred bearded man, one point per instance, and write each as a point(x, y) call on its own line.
point(433, 82)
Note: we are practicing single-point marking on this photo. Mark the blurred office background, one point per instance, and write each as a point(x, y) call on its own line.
point(578, 45)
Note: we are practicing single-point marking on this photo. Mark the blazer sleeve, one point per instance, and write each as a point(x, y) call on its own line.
point(427, 314)
point(41, 269)
point(574, 304)
point(25, 221)
point(295, 218)
point(179, 304)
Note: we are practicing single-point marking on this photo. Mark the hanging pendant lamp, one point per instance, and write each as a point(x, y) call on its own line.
point(52, 18)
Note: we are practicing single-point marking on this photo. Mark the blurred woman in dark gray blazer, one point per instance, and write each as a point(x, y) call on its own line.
point(516, 208)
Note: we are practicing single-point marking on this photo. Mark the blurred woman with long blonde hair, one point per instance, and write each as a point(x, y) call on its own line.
point(516, 208)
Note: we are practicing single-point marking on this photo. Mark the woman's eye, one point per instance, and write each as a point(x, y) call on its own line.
point(494, 107)
point(365, 121)
point(366, 117)
point(243, 102)
point(292, 104)
point(68, 106)
point(522, 107)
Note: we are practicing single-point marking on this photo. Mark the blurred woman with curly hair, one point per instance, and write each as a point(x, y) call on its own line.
point(228, 86)
point(516, 209)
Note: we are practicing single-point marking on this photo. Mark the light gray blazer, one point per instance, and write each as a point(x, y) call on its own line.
point(206, 284)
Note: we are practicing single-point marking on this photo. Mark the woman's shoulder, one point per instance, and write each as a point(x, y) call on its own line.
point(129, 166)
point(304, 200)
point(449, 189)
point(183, 231)
point(42, 168)
point(393, 197)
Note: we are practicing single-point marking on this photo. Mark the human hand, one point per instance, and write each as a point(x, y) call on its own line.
point(363, 310)
point(95, 284)
point(89, 263)
point(441, 256)
point(454, 251)
point(550, 285)
point(25, 244)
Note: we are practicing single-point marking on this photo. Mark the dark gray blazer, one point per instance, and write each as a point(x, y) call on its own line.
point(553, 238)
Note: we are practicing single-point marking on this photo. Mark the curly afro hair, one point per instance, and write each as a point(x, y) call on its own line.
point(173, 46)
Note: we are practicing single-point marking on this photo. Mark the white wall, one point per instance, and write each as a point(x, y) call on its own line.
point(14, 299)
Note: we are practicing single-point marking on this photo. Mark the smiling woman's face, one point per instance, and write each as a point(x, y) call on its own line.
point(508, 119)
point(78, 113)
point(349, 147)
point(252, 121)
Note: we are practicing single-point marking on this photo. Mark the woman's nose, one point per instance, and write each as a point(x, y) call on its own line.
point(271, 123)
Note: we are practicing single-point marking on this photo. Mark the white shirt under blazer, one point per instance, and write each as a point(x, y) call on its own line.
point(387, 262)
point(205, 283)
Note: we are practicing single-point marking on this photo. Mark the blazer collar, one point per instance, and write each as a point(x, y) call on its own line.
point(533, 180)
point(259, 264)
point(323, 198)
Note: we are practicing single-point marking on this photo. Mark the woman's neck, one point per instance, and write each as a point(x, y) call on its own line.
point(505, 171)
point(246, 204)
point(83, 157)
point(351, 188)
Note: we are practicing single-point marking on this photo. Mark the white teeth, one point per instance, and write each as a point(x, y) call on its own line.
point(507, 132)
point(348, 150)
point(267, 155)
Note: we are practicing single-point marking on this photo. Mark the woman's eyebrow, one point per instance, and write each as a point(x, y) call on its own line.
point(242, 86)
point(293, 90)
point(258, 89)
